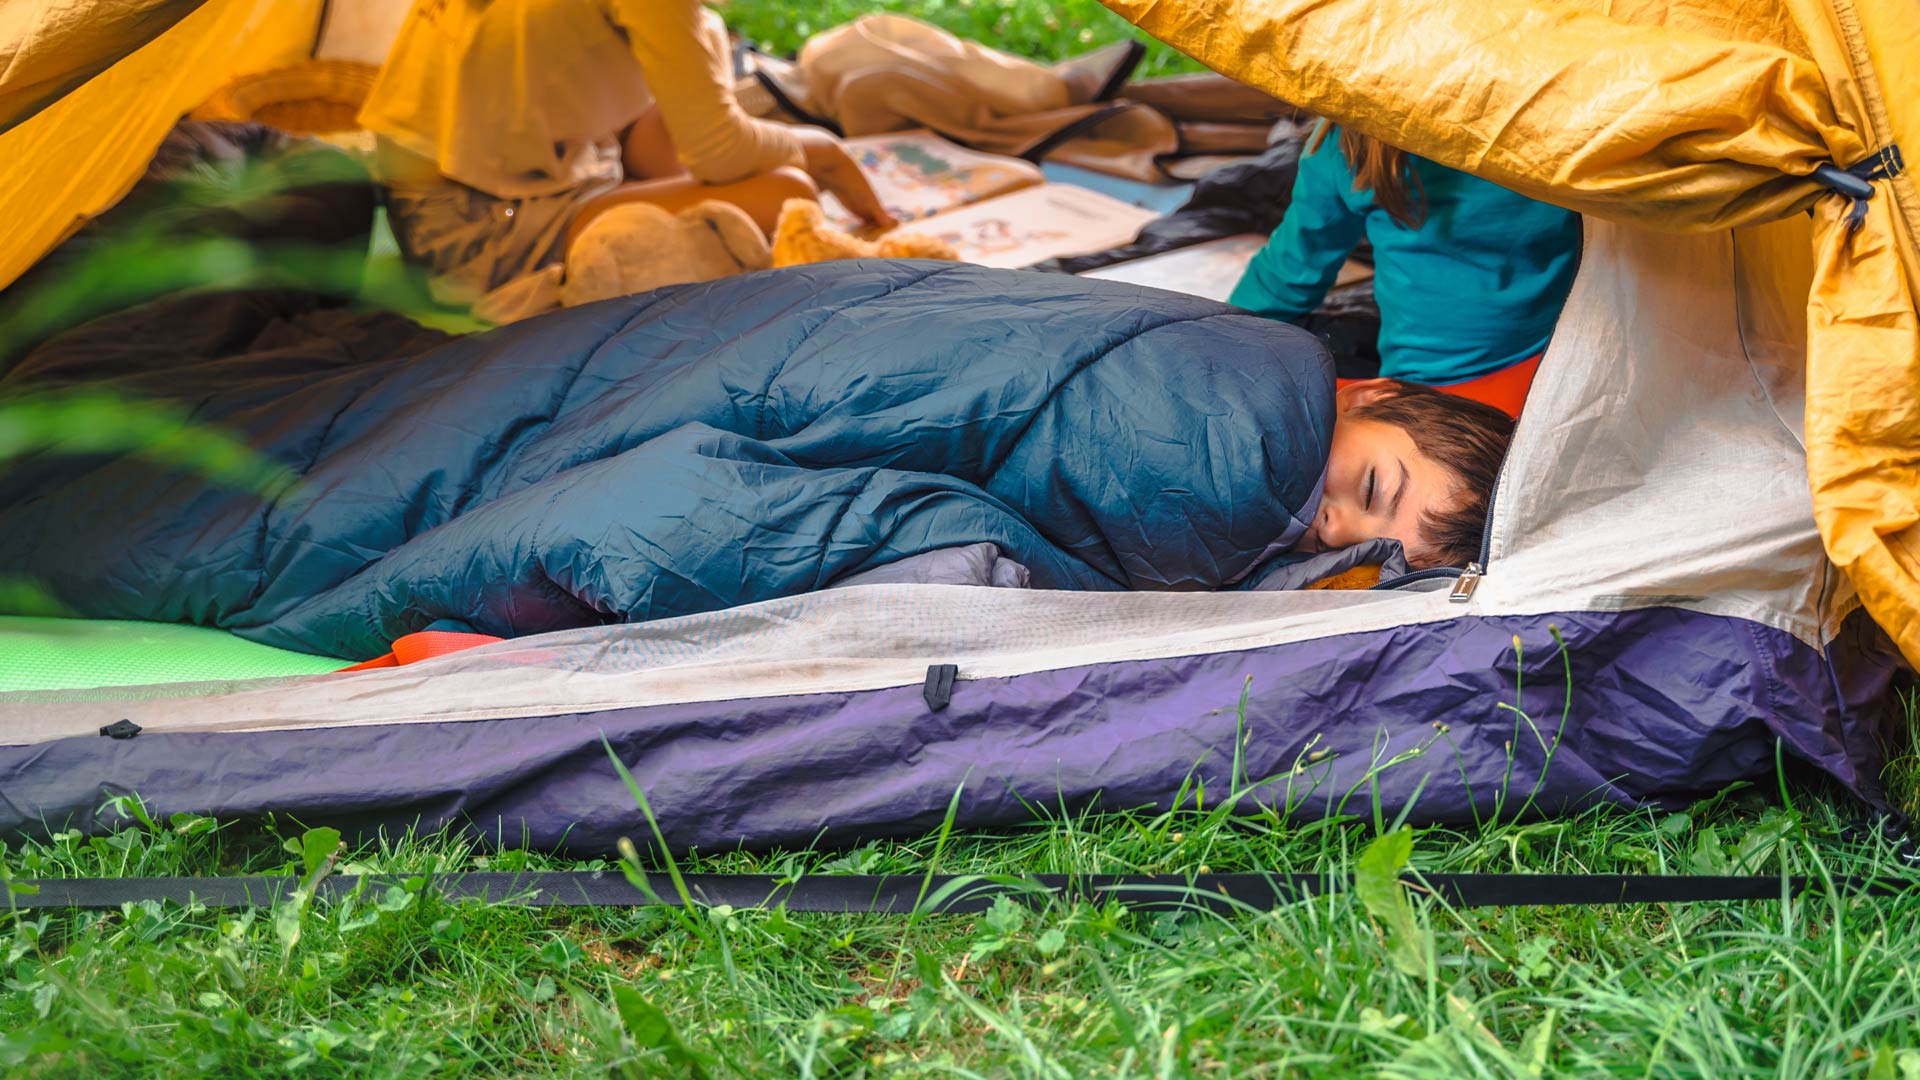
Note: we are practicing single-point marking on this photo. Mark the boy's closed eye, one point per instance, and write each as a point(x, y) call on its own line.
point(1378, 484)
point(1412, 464)
point(1409, 463)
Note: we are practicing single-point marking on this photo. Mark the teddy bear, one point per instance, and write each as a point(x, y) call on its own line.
point(802, 236)
point(639, 246)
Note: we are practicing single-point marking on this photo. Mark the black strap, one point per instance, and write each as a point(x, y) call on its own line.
point(898, 894)
point(1037, 151)
point(786, 102)
point(1117, 78)
point(1856, 180)
point(320, 29)
point(939, 686)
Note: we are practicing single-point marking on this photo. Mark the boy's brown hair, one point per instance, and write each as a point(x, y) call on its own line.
point(1467, 438)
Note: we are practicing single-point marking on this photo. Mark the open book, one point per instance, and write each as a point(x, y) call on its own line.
point(994, 210)
point(1210, 269)
point(917, 174)
point(1036, 224)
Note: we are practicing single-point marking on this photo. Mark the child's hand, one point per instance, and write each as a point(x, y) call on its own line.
point(828, 162)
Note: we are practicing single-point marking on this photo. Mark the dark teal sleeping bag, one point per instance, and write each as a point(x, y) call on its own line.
point(681, 451)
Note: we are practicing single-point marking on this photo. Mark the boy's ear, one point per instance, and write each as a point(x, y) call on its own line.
point(1364, 392)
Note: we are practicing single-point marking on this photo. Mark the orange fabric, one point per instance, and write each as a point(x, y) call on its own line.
point(1359, 577)
point(425, 645)
point(1505, 389)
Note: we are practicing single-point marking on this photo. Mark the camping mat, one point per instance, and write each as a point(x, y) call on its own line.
point(65, 654)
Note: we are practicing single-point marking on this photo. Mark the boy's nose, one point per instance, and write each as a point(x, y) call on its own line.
point(1333, 524)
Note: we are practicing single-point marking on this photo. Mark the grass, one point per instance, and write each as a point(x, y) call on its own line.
point(402, 983)
point(1045, 31)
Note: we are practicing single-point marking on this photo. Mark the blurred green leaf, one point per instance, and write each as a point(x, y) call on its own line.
point(96, 422)
point(184, 235)
point(651, 1030)
point(316, 845)
point(21, 597)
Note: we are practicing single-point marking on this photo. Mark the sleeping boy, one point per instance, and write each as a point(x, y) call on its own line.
point(1406, 463)
point(757, 437)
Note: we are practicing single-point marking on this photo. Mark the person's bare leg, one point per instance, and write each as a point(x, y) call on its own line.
point(647, 151)
point(760, 196)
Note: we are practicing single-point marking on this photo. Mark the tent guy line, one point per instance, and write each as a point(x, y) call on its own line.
point(951, 894)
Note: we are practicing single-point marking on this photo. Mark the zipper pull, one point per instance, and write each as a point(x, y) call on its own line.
point(1466, 583)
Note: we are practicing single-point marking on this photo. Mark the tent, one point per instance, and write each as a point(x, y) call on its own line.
point(1664, 602)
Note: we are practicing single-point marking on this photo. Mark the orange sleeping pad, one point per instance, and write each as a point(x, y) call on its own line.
point(425, 645)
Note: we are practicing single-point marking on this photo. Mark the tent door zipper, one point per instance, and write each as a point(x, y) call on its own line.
point(1418, 576)
point(1466, 583)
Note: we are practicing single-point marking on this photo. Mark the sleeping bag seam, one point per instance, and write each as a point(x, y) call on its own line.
point(536, 550)
point(499, 463)
point(1078, 369)
point(265, 529)
point(992, 473)
point(765, 423)
point(846, 506)
point(504, 461)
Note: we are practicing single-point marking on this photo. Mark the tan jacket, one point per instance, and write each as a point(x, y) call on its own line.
point(526, 97)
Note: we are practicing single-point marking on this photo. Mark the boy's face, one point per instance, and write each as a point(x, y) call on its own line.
point(1377, 485)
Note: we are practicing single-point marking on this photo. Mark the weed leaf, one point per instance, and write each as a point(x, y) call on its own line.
point(1376, 878)
point(651, 1030)
point(316, 845)
point(1538, 1041)
point(319, 848)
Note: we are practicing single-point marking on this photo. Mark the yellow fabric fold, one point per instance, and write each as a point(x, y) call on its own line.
point(1863, 336)
point(80, 155)
point(1653, 125)
point(49, 47)
point(1863, 414)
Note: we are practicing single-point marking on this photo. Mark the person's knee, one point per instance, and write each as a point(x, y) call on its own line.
point(787, 182)
point(762, 196)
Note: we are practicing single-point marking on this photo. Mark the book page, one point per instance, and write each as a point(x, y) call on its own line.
point(1210, 270)
point(1036, 224)
point(917, 174)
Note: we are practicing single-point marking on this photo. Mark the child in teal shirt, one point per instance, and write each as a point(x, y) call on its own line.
point(1469, 276)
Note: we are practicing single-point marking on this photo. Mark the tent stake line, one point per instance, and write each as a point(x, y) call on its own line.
point(898, 894)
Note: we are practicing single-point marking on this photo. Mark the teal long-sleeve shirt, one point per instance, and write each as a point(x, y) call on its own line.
point(1477, 287)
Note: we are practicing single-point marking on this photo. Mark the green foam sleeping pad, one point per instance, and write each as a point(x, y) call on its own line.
point(69, 654)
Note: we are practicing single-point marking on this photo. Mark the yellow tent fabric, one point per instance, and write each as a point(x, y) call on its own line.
point(80, 154)
point(1667, 114)
point(47, 49)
